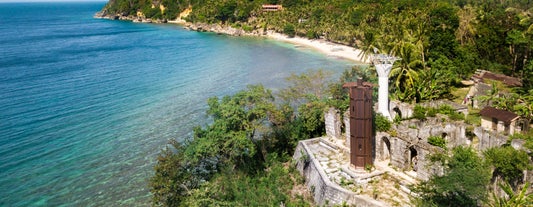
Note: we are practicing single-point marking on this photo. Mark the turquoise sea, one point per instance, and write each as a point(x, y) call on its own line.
point(87, 104)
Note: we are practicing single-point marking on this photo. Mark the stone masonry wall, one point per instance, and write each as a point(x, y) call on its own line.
point(346, 120)
point(332, 120)
point(324, 191)
point(416, 131)
point(399, 150)
point(404, 110)
point(489, 139)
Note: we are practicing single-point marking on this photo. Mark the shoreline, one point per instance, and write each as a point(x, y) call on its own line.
point(325, 47)
point(322, 46)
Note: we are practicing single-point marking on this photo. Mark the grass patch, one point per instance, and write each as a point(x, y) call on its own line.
point(459, 94)
point(437, 141)
point(473, 117)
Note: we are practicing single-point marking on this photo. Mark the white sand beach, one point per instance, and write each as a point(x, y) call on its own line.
point(325, 47)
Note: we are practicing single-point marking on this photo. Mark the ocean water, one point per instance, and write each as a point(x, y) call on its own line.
point(87, 104)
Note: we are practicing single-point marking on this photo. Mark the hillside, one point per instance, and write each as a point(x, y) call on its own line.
point(452, 36)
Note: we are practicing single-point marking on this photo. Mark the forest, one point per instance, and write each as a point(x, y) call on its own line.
point(243, 157)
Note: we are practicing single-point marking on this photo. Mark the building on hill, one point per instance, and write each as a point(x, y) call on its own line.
point(499, 120)
point(482, 75)
point(272, 7)
point(477, 90)
point(482, 87)
point(399, 158)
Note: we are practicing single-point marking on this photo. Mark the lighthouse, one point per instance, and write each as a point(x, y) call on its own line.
point(383, 64)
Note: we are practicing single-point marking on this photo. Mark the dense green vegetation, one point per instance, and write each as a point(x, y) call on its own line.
point(508, 163)
point(466, 177)
point(421, 113)
point(518, 199)
point(242, 157)
point(437, 141)
point(228, 159)
point(440, 42)
point(382, 124)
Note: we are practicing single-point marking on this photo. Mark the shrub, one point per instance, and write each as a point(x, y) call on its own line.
point(456, 116)
point(431, 112)
point(508, 162)
point(446, 109)
point(437, 141)
point(381, 123)
point(247, 28)
point(393, 133)
point(397, 119)
point(464, 182)
point(311, 34)
point(451, 113)
point(151, 12)
point(289, 30)
point(419, 112)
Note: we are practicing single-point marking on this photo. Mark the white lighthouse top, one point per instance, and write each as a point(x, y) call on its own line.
point(382, 59)
point(383, 64)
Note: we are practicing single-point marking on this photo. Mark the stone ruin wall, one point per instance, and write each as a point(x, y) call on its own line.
point(489, 139)
point(412, 135)
point(346, 120)
point(325, 192)
point(408, 149)
point(418, 132)
point(404, 110)
point(332, 120)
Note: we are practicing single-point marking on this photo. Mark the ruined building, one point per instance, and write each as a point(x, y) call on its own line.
point(348, 167)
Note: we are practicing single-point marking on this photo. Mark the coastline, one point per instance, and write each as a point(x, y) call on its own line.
point(325, 47)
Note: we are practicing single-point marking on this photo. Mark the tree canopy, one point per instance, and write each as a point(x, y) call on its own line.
point(464, 182)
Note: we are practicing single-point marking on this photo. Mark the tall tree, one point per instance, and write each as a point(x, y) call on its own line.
point(466, 32)
point(464, 182)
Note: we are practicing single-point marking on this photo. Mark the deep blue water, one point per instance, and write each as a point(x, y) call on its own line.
point(86, 104)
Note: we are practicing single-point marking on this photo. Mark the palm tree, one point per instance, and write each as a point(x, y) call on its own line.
point(520, 38)
point(404, 74)
point(513, 199)
point(466, 31)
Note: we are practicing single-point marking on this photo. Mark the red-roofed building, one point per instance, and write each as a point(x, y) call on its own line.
point(499, 120)
point(270, 7)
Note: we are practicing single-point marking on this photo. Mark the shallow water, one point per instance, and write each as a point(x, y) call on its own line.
point(86, 104)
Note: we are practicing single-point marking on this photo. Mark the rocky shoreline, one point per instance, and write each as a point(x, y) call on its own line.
point(105, 15)
point(200, 27)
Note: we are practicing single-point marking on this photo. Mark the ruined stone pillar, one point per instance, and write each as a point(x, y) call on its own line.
point(383, 65)
point(346, 120)
point(383, 92)
point(333, 123)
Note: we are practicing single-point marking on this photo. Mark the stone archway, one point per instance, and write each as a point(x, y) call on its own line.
point(397, 113)
point(444, 136)
point(413, 158)
point(385, 149)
